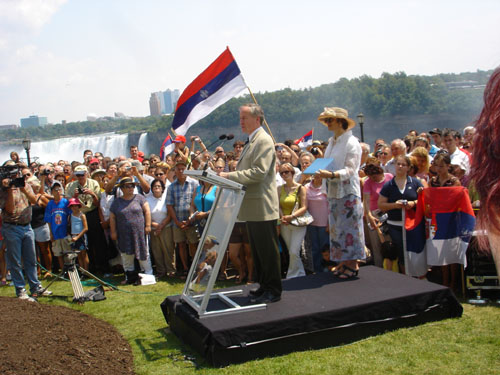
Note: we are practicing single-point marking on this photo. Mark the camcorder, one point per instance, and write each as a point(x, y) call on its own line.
point(11, 172)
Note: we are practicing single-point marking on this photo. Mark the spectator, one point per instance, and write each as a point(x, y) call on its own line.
point(56, 215)
point(436, 135)
point(238, 148)
point(162, 237)
point(179, 197)
point(19, 237)
point(317, 231)
point(181, 150)
point(384, 155)
point(398, 147)
point(399, 193)
point(371, 190)
point(134, 153)
point(130, 222)
point(88, 192)
point(14, 156)
point(422, 158)
point(457, 156)
point(79, 228)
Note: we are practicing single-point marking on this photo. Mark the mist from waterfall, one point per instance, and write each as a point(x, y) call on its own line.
point(71, 148)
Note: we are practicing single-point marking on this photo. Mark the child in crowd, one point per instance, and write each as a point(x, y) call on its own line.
point(56, 214)
point(79, 228)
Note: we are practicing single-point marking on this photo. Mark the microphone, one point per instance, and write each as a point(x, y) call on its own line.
point(228, 138)
point(221, 137)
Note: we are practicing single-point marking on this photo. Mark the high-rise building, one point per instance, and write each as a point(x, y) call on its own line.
point(170, 98)
point(154, 104)
point(33, 121)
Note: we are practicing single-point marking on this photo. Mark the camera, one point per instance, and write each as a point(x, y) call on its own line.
point(80, 190)
point(315, 151)
point(11, 172)
point(404, 202)
point(47, 171)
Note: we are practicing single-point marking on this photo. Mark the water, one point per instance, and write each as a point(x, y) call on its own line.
point(71, 148)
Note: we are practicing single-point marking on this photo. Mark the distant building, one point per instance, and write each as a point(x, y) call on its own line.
point(170, 98)
point(163, 102)
point(9, 126)
point(33, 121)
point(154, 104)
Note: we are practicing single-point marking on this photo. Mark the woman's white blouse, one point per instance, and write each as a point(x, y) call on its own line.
point(346, 154)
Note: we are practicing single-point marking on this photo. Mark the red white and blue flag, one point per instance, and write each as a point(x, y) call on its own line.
point(439, 233)
point(167, 147)
point(221, 81)
point(306, 140)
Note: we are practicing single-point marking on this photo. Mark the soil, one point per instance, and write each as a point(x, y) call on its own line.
point(42, 339)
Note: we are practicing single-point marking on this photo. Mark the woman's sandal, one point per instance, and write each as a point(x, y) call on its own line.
point(345, 275)
point(339, 270)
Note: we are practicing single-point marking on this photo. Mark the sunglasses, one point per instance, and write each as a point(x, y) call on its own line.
point(285, 172)
point(384, 153)
point(159, 174)
point(129, 186)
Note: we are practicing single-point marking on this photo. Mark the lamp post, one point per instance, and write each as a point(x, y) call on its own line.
point(361, 120)
point(27, 146)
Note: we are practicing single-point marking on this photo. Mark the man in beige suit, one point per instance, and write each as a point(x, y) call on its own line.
point(256, 170)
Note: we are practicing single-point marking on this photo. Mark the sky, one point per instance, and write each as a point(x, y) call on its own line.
point(65, 59)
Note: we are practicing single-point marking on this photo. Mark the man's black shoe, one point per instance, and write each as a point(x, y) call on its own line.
point(267, 297)
point(256, 292)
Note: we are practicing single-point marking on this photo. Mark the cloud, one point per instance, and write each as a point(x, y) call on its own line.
point(27, 15)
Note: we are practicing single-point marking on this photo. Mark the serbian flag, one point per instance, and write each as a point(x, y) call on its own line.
point(445, 219)
point(167, 147)
point(221, 81)
point(306, 140)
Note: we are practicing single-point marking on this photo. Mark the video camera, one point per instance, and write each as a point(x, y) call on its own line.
point(11, 173)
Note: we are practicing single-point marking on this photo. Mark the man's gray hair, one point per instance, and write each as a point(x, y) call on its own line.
point(401, 144)
point(365, 147)
point(255, 110)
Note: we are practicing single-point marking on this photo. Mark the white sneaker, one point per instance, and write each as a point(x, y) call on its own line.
point(24, 296)
point(39, 293)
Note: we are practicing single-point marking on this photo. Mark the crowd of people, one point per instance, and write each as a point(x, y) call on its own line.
point(145, 215)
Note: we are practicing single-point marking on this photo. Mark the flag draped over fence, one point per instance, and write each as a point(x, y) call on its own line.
point(306, 140)
point(221, 81)
point(441, 228)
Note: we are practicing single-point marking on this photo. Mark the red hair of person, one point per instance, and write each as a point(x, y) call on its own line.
point(486, 158)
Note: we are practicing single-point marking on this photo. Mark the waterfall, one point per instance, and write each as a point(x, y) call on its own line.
point(71, 148)
point(143, 143)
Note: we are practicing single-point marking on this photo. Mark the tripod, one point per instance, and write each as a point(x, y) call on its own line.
point(71, 269)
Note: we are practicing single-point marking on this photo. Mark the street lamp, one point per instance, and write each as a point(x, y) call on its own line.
point(27, 146)
point(361, 120)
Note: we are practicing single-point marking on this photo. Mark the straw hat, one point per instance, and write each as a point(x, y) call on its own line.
point(336, 112)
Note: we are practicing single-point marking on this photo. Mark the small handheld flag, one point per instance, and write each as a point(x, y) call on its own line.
point(306, 140)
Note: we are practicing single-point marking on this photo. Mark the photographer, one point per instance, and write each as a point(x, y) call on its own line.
point(46, 178)
point(15, 199)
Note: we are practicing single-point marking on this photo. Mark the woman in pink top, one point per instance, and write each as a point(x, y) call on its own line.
point(317, 231)
point(371, 189)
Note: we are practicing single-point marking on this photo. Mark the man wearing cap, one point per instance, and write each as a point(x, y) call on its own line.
point(256, 170)
point(436, 135)
point(15, 203)
point(46, 178)
point(93, 165)
point(88, 192)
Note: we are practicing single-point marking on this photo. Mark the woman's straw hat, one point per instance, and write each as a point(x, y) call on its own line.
point(336, 112)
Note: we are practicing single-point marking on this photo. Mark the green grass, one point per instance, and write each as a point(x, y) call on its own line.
point(469, 345)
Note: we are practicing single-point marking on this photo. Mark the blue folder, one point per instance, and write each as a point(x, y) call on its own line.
point(321, 163)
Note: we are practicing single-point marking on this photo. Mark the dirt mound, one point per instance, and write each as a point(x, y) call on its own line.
point(42, 339)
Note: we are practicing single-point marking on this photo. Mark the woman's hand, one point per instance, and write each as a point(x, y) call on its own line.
point(147, 229)
point(323, 173)
point(286, 219)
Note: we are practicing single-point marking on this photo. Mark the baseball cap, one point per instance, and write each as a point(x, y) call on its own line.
point(436, 131)
point(179, 138)
point(80, 170)
point(74, 202)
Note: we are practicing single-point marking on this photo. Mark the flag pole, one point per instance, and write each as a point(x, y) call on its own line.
point(405, 251)
point(265, 122)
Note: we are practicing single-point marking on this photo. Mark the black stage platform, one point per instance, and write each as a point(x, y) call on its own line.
point(315, 311)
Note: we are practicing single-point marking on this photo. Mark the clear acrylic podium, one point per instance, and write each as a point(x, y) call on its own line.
point(197, 291)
